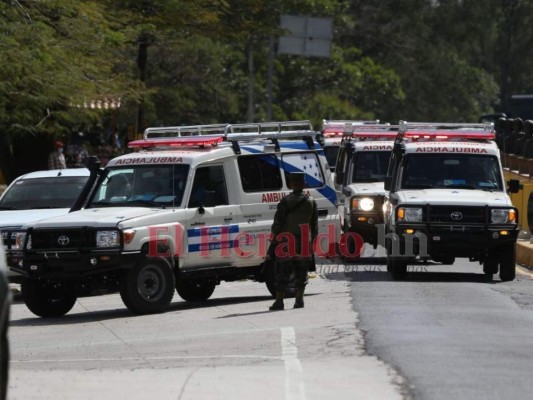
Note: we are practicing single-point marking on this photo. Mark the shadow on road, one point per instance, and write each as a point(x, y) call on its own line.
point(105, 315)
point(374, 270)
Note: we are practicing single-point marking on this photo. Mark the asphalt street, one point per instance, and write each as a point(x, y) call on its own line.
point(230, 347)
point(447, 330)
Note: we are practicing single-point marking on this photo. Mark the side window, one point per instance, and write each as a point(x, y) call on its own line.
point(209, 187)
point(259, 173)
point(304, 162)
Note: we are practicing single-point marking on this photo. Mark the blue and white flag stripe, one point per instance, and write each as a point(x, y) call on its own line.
point(212, 238)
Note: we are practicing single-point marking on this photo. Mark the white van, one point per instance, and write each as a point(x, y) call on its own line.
point(184, 212)
point(38, 195)
point(359, 181)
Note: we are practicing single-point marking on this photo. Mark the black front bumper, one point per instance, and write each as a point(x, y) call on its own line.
point(472, 241)
point(70, 264)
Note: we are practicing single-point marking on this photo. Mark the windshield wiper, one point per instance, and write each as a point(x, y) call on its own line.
point(9, 208)
point(419, 186)
point(146, 203)
point(460, 186)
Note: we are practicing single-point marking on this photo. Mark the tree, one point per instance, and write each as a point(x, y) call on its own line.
point(53, 57)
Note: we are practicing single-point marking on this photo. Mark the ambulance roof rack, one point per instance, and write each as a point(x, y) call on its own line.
point(371, 132)
point(339, 127)
point(212, 135)
point(178, 131)
point(270, 130)
point(445, 131)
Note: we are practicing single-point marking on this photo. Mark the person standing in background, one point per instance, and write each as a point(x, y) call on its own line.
point(56, 159)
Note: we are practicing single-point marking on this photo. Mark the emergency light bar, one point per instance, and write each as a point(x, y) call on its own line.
point(339, 127)
point(178, 131)
point(442, 131)
point(185, 141)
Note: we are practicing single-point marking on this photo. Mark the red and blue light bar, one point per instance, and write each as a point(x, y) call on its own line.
point(183, 141)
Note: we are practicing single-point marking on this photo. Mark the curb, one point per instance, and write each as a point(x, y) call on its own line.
point(524, 254)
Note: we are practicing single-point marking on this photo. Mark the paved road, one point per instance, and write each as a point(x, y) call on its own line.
point(230, 348)
point(449, 332)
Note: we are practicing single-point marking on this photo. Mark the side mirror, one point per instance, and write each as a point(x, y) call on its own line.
point(387, 182)
point(93, 163)
point(514, 186)
point(397, 149)
point(339, 178)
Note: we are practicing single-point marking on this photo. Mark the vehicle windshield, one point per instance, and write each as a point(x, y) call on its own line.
point(36, 193)
point(331, 153)
point(142, 186)
point(370, 166)
point(460, 171)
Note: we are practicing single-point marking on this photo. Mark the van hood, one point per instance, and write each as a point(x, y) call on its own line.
point(97, 217)
point(370, 188)
point(18, 218)
point(463, 197)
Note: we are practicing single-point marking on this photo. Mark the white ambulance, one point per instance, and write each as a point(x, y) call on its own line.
point(331, 137)
point(448, 199)
point(359, 181)
point(185, 212)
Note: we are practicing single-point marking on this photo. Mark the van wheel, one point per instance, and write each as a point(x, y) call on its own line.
point(508, 263)
point(194, 289)
point(47, 299)
point(397, 268)
point(490, 265)
point(148, 287)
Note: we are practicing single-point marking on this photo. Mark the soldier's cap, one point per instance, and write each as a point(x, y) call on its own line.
point(297, 177)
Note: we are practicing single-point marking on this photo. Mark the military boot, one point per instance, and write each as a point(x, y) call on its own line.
point(278, 304)
point(299, 302)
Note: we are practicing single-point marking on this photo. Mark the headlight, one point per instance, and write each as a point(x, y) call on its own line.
point(364, 204)
point(409, 214)
point(107, 239)
point(19, 241)
point(503, 216)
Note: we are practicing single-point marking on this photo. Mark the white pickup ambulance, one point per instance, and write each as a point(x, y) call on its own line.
point(332, 134)
point(448, 199)
point(359, 181)
point(185, 212)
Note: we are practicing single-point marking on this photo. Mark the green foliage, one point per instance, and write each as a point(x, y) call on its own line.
point(187, 61)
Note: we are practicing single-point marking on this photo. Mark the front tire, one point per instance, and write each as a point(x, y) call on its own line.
point(508, 263)
point(148, 287)
point(397, 267)
point(194, 290)
point(47, 299)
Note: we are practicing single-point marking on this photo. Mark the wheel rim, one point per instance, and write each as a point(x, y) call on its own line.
point(150, 283)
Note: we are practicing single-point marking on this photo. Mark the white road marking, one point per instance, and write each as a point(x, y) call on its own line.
point(294, 383)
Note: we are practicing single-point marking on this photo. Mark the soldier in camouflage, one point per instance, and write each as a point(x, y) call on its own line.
point(294, 230)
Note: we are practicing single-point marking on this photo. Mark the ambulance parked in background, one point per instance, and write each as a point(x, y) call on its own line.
point(448, 199)
point(331, 136)
point(359, 181)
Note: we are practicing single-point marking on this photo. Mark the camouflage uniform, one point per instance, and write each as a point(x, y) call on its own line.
point(294, 214)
